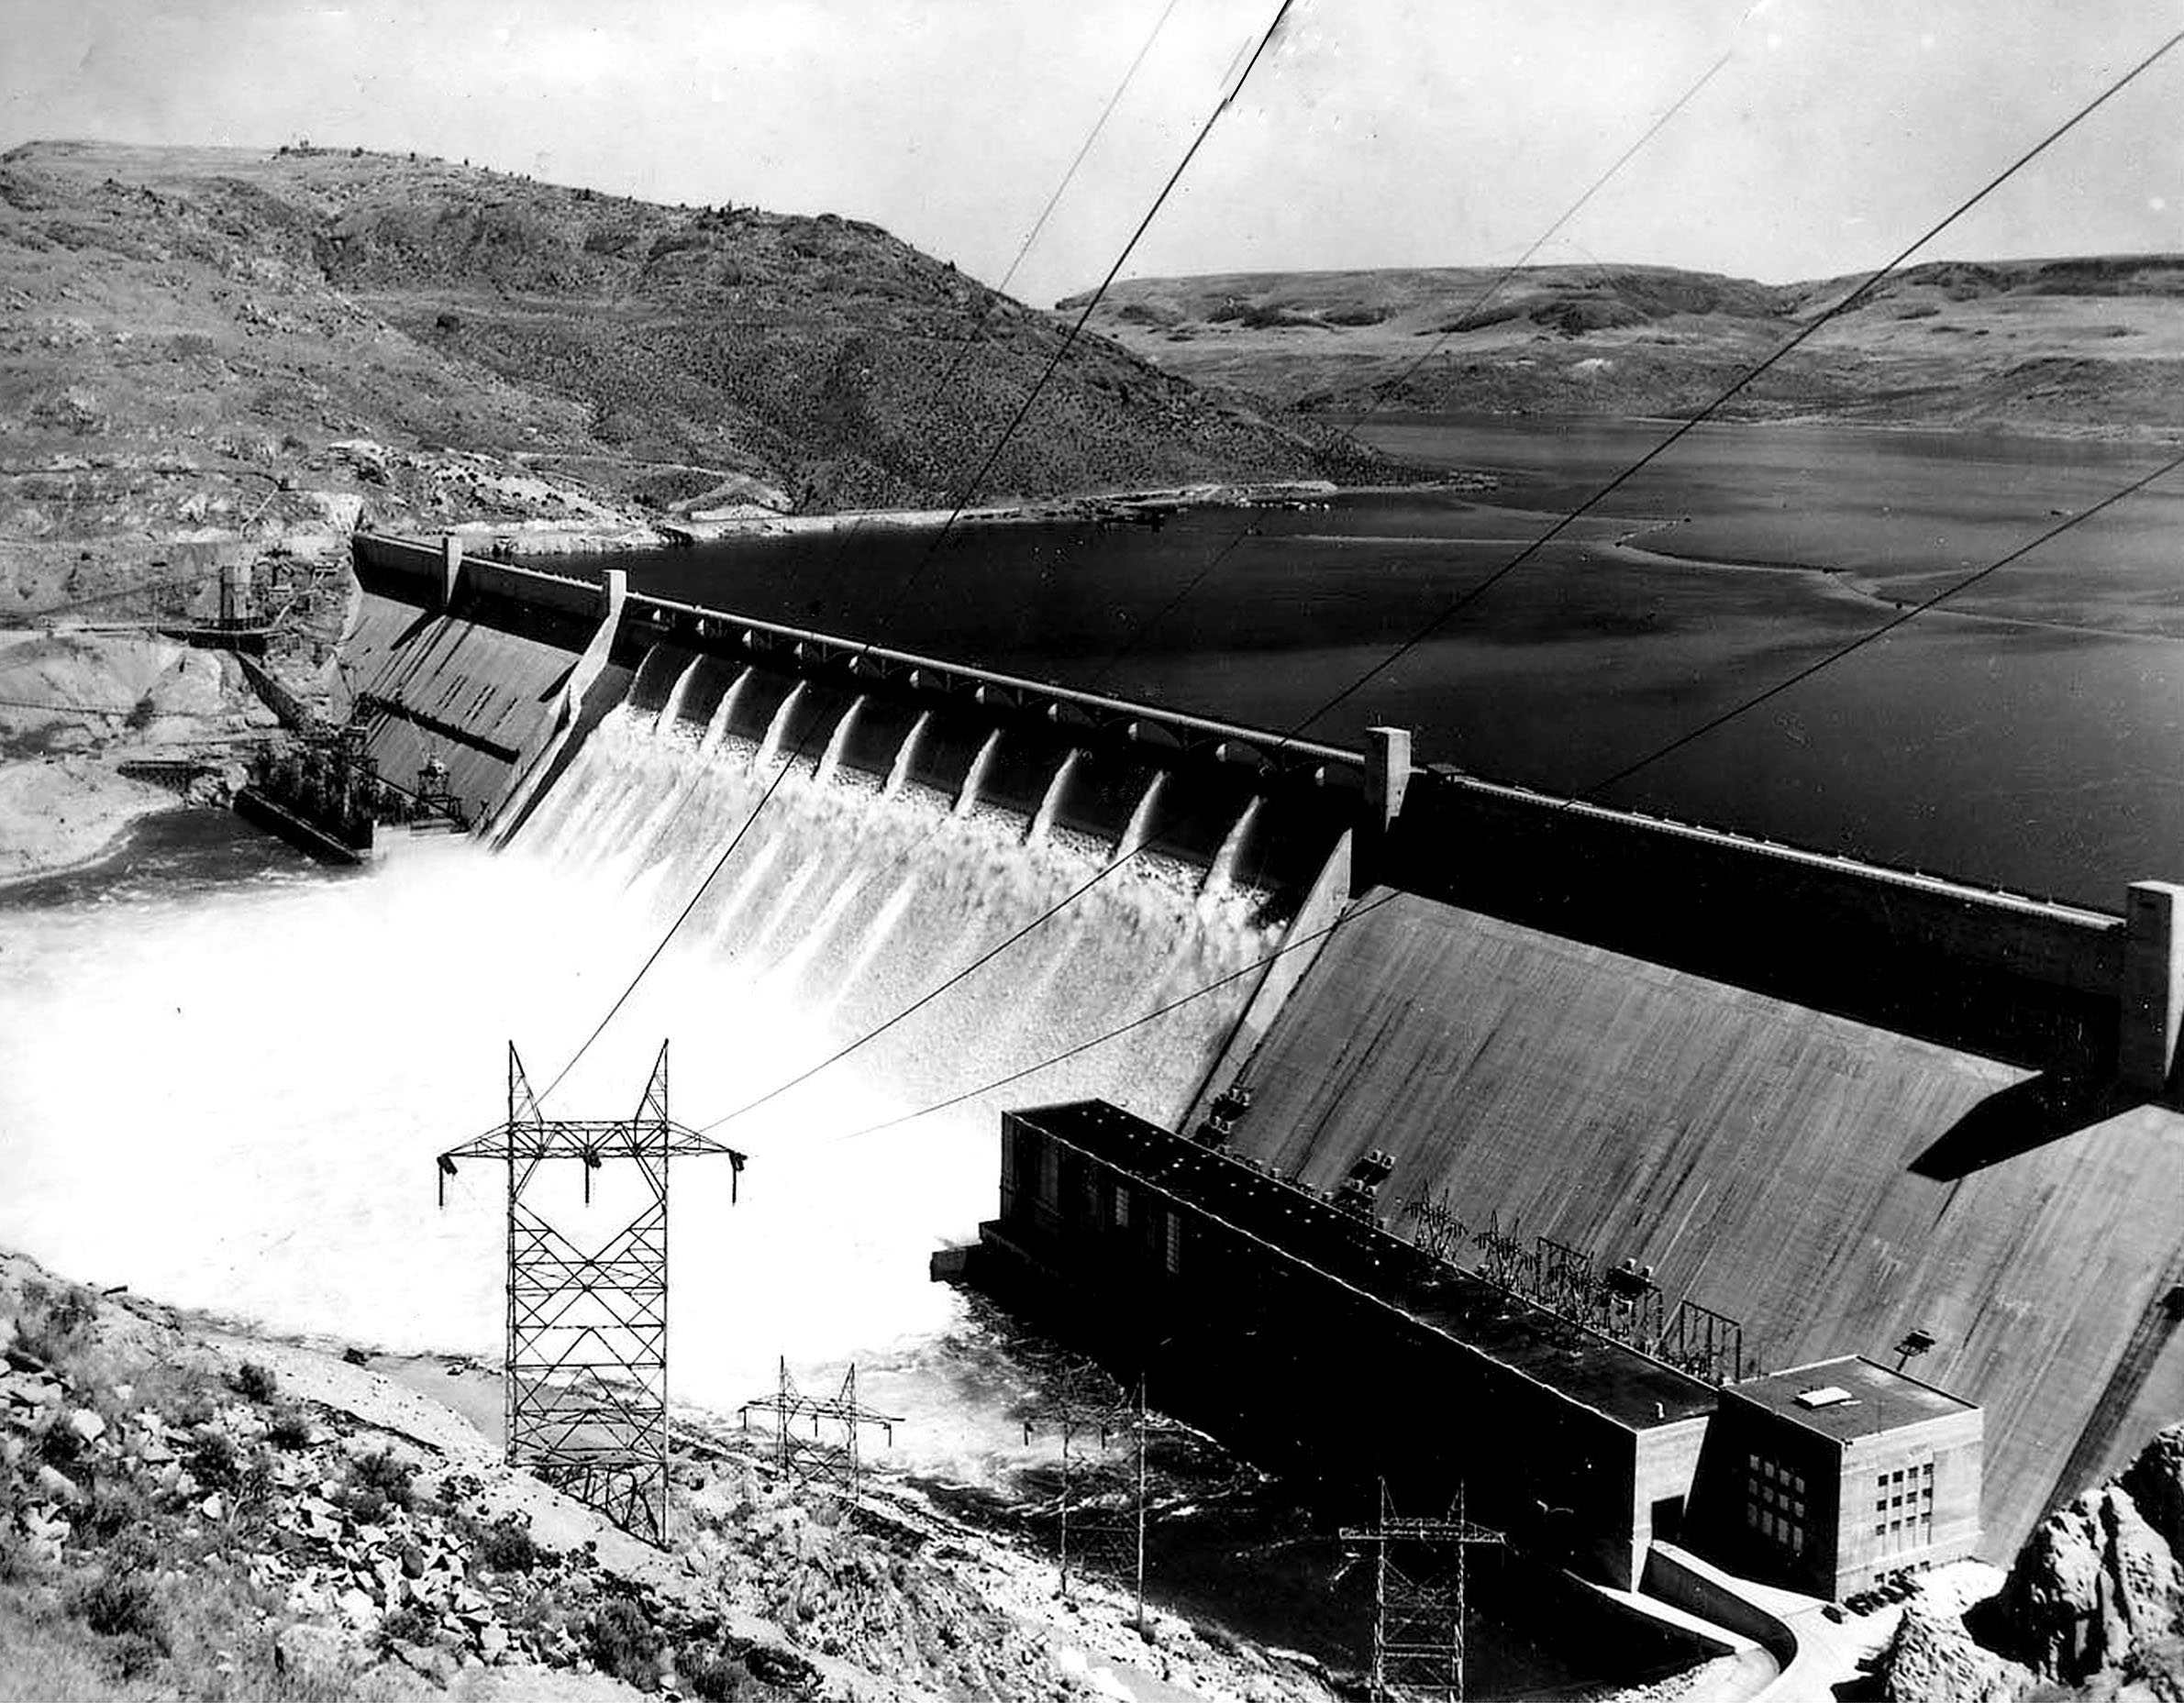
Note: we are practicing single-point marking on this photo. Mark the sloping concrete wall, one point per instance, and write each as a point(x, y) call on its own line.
point(470, 695)
point(1832, 1184)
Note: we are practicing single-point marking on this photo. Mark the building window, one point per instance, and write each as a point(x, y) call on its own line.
point(1903, 1511)
point(1775, 1503)
point(1172, 1241)
point(1118, 1206)
point(1026, 1171)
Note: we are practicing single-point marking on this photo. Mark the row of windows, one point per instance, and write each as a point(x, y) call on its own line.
point(1775, 1502)
point(1780, 1496)
point(1779, 1527)
point(1905, 1531)
point(1080, 1199)
point(1903, 1507)
point(1761, 1467)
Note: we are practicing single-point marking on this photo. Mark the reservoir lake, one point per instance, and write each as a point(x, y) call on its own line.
point(2029, 736)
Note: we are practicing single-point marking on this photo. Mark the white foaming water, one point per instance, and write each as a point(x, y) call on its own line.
point(232, 1099)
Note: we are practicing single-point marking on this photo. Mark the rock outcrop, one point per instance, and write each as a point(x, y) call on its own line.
point(2095, 1599)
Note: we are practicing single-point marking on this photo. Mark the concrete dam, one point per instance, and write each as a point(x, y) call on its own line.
point(1842, 1103)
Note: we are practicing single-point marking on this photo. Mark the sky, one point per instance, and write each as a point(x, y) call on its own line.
point(1373, 133)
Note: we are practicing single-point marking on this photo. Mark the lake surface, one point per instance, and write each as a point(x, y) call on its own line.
point(2031, 737)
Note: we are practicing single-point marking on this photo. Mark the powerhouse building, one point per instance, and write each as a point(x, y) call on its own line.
point(1297, 1325)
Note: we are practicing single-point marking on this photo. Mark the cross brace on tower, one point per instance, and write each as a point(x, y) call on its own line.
point(1420, 1579)
point(1104, 1503)
point(585, 1395)
point(818, 1461)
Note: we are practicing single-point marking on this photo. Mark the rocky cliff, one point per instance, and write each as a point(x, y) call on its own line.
point(2094, 1600)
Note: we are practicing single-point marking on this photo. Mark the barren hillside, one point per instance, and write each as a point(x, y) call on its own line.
point(211, 348)
point(2075, 346)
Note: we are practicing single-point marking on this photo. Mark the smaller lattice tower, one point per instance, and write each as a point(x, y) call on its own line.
point(831, 1458)
point(1420, 1589)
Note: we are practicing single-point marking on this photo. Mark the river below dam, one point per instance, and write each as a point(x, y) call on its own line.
point(2027, 736)
point(228, 1072)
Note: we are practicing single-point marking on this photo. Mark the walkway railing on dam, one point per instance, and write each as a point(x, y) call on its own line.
point(2051, 986)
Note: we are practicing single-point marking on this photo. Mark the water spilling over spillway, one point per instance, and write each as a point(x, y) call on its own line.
point(853, 893)
point(235, 1091)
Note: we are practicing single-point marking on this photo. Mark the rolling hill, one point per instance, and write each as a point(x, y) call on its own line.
point(2066, 347)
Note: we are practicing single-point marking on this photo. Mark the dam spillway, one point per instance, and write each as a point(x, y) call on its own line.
point(1839, 1101)
point(915, 815)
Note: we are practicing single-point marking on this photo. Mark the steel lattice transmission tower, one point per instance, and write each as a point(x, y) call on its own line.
point(1104, 1500)
point(1420, 1578)
point(587, 1331)
point(818, 1461)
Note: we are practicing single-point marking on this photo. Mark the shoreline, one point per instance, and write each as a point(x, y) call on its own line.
point(34, 847)
point(753, 1558)
point(2146, 435)
point(1148, 507)
point(741, 1559)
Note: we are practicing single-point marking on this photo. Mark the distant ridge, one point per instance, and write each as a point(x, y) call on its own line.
point(2073, 346)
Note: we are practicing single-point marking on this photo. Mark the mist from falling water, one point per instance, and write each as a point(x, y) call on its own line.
point(231, 1098)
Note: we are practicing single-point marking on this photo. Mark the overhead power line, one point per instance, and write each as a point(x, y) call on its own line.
point(1750, 376)
point(1804, 334)
point(1532, 549)
point(1880, 631)
point(955, 514)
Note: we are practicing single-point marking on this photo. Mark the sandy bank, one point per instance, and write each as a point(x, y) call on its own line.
point(63, 813)
point(75, 705)
point(1124, 507)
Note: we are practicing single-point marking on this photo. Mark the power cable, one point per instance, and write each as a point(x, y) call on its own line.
point(940, 537)
point(926, 998)
point(1675, 436)
point(1804, 334)
point(1169, 1009)
point(1370, 905)
point(1842, 306)
point(1880, 631)
point(1385, 389)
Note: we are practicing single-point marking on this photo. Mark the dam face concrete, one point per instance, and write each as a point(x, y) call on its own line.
point(1838, 1101)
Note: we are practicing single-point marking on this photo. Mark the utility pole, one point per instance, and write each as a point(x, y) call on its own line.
point(1421, 1578)
point(585, 1371)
